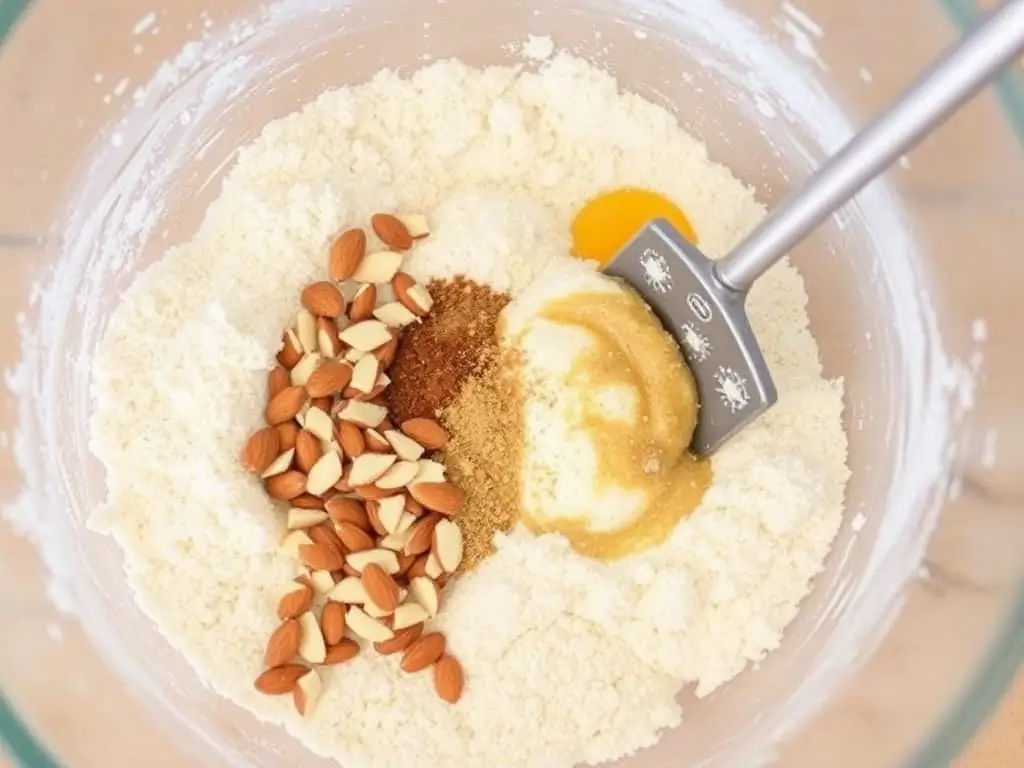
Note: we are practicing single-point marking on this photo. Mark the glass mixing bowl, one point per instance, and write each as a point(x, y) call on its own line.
point(118, 121)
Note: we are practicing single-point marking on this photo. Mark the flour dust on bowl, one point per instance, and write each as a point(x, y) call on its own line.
point(363, 460)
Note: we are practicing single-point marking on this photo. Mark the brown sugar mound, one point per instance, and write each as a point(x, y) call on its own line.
point(484, 455)
point(437, 357)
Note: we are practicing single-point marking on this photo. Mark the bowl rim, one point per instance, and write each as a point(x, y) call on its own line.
point(994, 673)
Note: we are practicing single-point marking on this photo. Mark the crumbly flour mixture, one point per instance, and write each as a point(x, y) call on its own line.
point(567, 660)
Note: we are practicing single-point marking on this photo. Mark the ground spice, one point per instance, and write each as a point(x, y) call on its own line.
point(484, 456)
point(436, 358)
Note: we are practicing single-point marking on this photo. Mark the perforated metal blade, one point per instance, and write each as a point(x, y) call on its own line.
point(710, 323)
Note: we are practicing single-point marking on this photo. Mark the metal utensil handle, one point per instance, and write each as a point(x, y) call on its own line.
point(935, 95)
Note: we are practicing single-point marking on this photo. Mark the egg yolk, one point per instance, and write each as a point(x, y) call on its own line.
point(606, 223)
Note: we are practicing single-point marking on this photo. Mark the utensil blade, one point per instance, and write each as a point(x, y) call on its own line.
point(709, 322)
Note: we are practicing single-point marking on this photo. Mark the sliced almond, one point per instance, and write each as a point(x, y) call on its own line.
point(291, 350)
point(390, 511)
point(286, 404)
point(423, 652)
point(329, 379)
point(306, 693)
point(373, 515)
point(369, 467)
point(406, 523)
point(398, 476)
point(283, 643)
point(311, 647)
point(300, 417)
point(305, 329)
point(308, 501)
point(380, 587)
point(402, 640)
point(327, 339)
point(321, 557)
point(344, 485)
point(319, 423)
point(326, 535)
point(367, 335)
point(324, 474)
point(373, 493)
point(418, 299)
point(277, 379)
point(430, 472)
point(288, 432)
point(385, 558)
point(363, 303)
point(285, 486)
point(355, 538)
point(386, 353)
point(349, 590)
point(378, 267)
point(433, 568)
point(403, 445)
point(322, 581)
point(305, 518)
point(426, 594)
point(332, 623)
point(280, 680)
point(351, 438)
point(396, 543)
point(439, 497)
point(415, 223)
point(367, 627)
point(345, 510)
point(405, 563)
point(394, 315)
point(391, 231)
point(364, 375)
point(292, 541)
point(344, 651)
point(418, 566)
point(323, 299)
point(323, 403)
point(295, 601)
point(421, 535)
point(260, 450)
point(408, 615)
point(302, 372)
point(346, 254)
point(364, 414)
point(281, 464)
point(308, 451)
point(375, 611)
point(448, 679)
point(353, 355)
point(447, 546)
point(426, 432)
point(375, 442)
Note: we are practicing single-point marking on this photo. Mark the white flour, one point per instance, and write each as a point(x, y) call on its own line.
point(566, 659)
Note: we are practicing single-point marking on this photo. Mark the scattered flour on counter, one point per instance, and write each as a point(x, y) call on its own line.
point(566, 659)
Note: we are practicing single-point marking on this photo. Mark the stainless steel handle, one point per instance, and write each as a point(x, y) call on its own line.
point(933, 97)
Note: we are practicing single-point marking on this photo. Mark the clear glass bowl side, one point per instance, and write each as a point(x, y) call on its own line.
point(116, 716)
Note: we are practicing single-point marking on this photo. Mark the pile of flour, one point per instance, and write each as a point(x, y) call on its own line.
point(567, 660)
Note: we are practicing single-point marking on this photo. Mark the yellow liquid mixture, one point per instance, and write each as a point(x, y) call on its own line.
point(649, 453)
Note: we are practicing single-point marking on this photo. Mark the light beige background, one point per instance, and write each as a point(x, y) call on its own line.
point(1000, 743)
